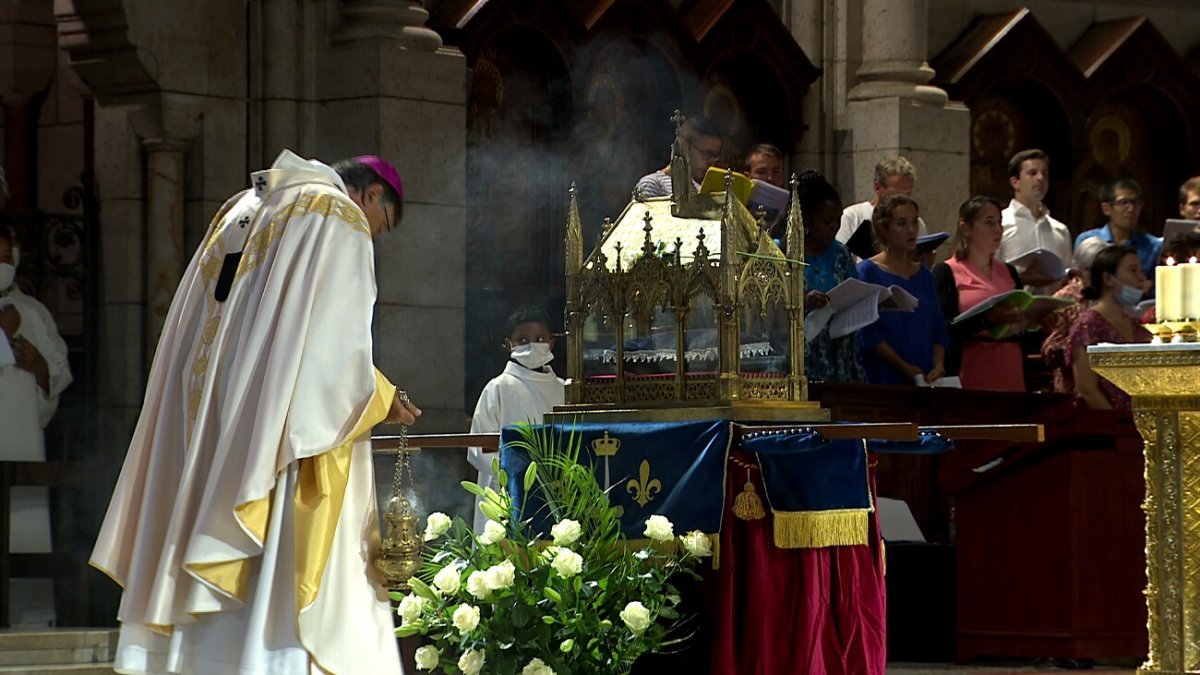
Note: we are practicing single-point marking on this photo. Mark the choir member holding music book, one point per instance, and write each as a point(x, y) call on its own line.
point(984, 295)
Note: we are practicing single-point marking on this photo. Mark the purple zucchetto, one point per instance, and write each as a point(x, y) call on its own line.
point(385, 170)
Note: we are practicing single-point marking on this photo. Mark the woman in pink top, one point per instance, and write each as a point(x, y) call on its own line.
point(974, 274)
point(1116, 286)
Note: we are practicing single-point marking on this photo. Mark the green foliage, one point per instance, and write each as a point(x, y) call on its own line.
point(540, 607)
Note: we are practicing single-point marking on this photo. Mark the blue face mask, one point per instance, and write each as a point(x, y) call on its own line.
point(1129, 295)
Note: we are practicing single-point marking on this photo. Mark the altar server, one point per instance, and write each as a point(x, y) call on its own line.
point(33, 372)
point(243, 527)
point(526, 389)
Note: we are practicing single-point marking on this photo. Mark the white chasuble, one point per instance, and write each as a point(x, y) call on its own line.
point(243, 527)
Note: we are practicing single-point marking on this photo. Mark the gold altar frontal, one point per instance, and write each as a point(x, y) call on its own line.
point(1164, 381)
point(686, 309)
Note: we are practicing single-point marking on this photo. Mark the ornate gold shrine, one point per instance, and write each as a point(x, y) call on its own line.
point(686, 309)
point(1164, 381)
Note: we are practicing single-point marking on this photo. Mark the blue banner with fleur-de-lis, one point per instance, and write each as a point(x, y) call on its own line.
point(673, 469)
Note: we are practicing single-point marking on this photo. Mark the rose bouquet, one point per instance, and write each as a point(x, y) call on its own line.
point(576, 599)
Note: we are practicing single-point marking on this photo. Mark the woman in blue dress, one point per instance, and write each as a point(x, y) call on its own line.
point(828, 264)
point(902, 347)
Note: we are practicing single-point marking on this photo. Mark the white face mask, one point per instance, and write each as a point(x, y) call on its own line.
point(533, 355)
point(7, 274)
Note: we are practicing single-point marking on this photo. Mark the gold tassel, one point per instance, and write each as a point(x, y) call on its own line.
point(748, 505)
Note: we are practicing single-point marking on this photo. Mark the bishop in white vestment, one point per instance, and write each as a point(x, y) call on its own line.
point(243, 528)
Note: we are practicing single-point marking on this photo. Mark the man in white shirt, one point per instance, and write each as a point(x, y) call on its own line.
point(893, 176)
point(1027, 222)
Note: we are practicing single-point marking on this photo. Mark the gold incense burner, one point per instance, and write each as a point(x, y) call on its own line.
point(400, 550)
point(686, 309)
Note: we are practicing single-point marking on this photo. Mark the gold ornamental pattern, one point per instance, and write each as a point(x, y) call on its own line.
point(1166, 403)
point(685, 301)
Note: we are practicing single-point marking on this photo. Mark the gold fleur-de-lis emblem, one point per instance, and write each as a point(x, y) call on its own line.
point(643, 488)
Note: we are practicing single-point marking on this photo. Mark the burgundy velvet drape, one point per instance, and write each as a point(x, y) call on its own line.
point(795, 611)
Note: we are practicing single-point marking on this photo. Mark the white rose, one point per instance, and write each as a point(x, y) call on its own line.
point(567, 563)
point(697, 543)
point(493, 533)
point(410, 608)
point(636, 616)
point(447, 580)
point(465, 618)
point(659, 528)
point(427, 657)
point(471, 662)
point(537, 667)
point(566, 532)
point(500, 577)
point(477, 584)
point(436, 525)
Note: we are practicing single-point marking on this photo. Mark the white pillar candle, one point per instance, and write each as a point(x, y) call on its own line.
point(1190, 289)
point(1169, 292)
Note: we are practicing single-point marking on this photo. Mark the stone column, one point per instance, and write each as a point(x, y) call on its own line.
point(399, 20)
point(891, 110)
point(894, 46)
point(412, 110)
point(164, 231)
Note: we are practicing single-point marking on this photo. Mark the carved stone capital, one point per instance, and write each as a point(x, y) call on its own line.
point(399, 20)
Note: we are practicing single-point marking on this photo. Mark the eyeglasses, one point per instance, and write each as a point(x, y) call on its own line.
point(384, 204)
point(1125, 203)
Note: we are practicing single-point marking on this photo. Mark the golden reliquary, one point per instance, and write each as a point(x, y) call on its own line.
point(686, 309)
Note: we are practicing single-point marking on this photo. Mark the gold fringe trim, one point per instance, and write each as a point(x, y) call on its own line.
point(819, 529)
point(716, 556)
point(748, 505)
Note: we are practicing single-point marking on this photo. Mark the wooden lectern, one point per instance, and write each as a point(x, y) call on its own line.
point(1164, 381)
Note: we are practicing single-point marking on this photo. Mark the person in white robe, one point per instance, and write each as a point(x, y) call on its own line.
point(526, 390)
point(243, 528)
point(33, 372)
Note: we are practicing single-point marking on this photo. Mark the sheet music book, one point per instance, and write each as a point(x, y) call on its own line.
point(862, 243)
point(751, 192)
point(1031, 307)
point(854, 304)
point(1175, 227)
point(949, 381)
point(930, 242)
point(1042, 261)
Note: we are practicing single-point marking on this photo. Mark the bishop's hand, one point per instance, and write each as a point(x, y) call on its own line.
point(403, 411)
